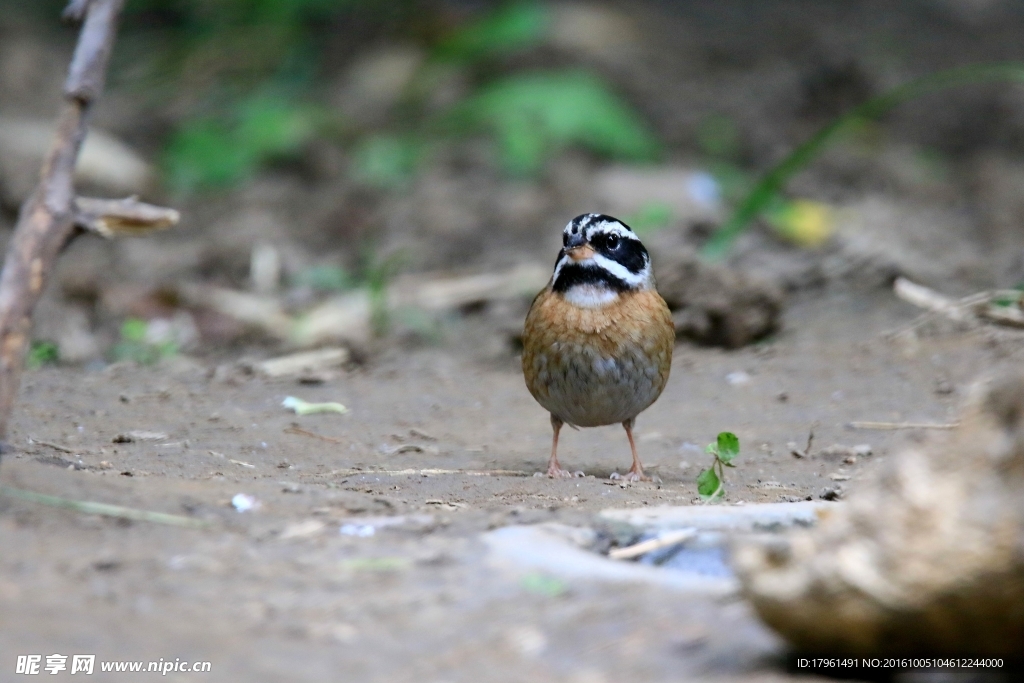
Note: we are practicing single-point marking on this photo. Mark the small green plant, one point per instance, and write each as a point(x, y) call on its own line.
point(135, 345)
point(223, 151)
point(378, 274)
point(711, 482)
point(505, 31)
point(41, 353)
point(324, 278)
point(534, 115)
point(544, 585)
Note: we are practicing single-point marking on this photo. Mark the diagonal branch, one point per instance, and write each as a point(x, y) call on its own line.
point(47, 218)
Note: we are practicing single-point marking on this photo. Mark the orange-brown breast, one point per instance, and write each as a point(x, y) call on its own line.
point(597, 366)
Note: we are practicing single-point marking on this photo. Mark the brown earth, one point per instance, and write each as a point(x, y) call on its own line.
point(423, 602)
point(279, 593)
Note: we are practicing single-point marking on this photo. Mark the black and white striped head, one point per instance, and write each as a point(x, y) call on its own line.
point(601, 258)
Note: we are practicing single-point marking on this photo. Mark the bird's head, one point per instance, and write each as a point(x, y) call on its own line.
point(601, 258)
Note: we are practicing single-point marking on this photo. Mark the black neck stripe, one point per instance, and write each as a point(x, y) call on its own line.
point(573, 274)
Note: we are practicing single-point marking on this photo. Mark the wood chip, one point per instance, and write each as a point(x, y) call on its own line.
point(637, 549)
point(139, 435)
point(303, 363)
point(295, 429)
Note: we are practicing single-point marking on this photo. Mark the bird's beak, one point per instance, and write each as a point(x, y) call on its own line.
point(580, 252)
point(578, 249)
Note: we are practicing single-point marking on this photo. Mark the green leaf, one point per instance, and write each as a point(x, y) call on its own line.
point(272, 126)
point(728, 446)
point(711, 448)
point(508, 30)
point(203, 154)
point(134, 330)
point(224, 151)
point(707, 483)
point(535, 115)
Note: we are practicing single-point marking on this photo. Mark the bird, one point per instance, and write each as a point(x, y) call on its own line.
point(598, 339)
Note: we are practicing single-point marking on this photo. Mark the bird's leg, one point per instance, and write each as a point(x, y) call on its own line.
point(554, 469)
point(636, 472)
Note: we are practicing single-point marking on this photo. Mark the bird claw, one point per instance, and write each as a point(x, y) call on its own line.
point(559, 473)
point(630, 476)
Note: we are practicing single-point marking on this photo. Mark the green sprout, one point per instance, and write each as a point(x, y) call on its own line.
point(544, 585)
point(324, 278)
point(378, 273)
point(711, 482)
point(134, 345)
point(42, 353)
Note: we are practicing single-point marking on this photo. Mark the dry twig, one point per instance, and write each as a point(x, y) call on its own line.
point(122, 217)
point(644, 547)
point(48, 217)
point(903, 425)
point(295, 429)
point(104, 509)
point(1002, 307)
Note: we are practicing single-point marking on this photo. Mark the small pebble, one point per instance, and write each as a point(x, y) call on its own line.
point(243, 502)
point(737, 378)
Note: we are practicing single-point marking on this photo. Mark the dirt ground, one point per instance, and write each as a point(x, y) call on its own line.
point(441, 429)
point(424, 602)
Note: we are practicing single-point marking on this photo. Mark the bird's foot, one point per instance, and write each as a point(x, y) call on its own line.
point(630, 476)
point(556, 472)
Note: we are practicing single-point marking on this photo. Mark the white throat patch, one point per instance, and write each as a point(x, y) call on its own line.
point(590, 296)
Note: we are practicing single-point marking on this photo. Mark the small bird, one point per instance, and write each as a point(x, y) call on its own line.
point(597, 344)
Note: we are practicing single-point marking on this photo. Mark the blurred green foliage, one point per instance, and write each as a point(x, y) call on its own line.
point(213, 152)
point(718, 137)
point(535, 115)
point(324, 278)
point(242, 82)
point(40, 353)
point(650, 217)
point(386, 161)
point(135, 346)
point(765, 193)
point(507, 30)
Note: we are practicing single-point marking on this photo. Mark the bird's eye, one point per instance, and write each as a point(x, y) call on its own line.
point(612, 241)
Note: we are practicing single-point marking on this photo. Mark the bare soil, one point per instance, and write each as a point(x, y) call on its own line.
point(442, 429)
point(424, 602)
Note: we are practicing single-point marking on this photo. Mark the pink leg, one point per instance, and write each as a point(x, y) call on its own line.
point(636, 472)
point(554, 469)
